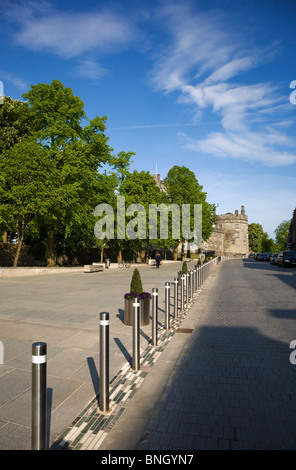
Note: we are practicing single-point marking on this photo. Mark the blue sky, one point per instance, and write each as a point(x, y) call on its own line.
point(200, 83)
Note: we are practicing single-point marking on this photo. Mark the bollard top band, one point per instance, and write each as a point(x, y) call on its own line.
point(39, 359)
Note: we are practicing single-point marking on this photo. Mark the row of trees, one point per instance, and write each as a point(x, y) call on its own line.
point(259, 242)
point(56, 166)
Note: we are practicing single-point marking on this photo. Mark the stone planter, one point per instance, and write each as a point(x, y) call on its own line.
point(144, 312)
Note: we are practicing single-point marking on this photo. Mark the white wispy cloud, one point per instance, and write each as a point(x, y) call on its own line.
point(69, 34)
point(18, 82)
point(204, 61)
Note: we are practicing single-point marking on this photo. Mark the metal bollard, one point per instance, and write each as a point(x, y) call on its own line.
point(182, 292)
point(39, 430)
point(191, 284)
point(136, 334)
point(187, 288)
point(176, 297)
point(154, 315)
point(167, 305)
point(195, 278)
point(104, 362)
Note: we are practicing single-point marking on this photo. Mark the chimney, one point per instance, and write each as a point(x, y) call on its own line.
point(243, 210)
point(236, 212)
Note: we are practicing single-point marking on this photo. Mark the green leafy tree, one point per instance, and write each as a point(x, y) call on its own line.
point(255, 237)
point(268, 244)
point(75, 152)
point(281, 234)
point(121, 163)
point(14, 126)
point(183, 188)
point(15, 123)
point(23, 170)
point(140, 188)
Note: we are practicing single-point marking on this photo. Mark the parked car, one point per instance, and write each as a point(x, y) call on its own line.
point(252, 255)
point(257, 255)
point(264, 257)
point(287, 258)
point(274, 258)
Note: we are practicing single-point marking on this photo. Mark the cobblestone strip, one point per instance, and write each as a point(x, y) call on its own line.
point(88, 430)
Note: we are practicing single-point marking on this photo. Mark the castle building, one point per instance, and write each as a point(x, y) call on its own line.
point(230, 235)
point(159, 183)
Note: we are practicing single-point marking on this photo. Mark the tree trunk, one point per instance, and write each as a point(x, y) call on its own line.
point(119, 257)
point(50, 258)
point(18, 252)
point(176, 252)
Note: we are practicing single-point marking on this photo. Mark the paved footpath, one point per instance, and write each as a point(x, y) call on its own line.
point(229, 384)
point(62, 310)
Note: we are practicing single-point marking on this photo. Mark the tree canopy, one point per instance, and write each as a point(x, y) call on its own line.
point(56, 167)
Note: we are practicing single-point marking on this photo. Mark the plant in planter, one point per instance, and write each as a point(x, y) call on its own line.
point(184, 270)
point(136, 290)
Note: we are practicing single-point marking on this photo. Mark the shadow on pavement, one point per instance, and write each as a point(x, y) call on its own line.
point(233, 388)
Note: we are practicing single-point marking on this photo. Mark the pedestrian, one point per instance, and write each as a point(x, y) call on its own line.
point(158, 260)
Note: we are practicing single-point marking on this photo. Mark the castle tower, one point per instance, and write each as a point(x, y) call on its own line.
point(230, 235)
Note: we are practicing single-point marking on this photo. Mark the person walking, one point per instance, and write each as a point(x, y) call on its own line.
point(158, 260)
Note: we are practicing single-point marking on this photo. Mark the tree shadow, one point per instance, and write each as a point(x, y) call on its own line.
point(232, 388)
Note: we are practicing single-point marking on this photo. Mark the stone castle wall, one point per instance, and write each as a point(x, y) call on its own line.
point(230, 235)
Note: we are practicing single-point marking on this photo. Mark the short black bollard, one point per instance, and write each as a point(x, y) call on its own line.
point(176, 297)
point(136, 334)
point(167, 305)
point(154, 315)
point(104, 361)
point(39, 424)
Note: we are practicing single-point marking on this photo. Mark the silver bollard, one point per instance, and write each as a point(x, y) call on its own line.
point(39, 424)
point(195, 278)
point(104, 362)
point(187, 288)
point(182, 292)
point(154, 315)
point(191, 284)
point(136, 334)
point(176, 297)
point(167, 305)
